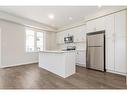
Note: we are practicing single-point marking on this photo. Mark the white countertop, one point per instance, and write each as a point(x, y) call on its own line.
point(60, 51)
point(48, 51)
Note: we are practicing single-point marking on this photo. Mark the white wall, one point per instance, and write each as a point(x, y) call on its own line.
point(13, 45)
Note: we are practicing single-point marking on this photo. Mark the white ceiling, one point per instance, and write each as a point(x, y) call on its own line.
point(62, 13)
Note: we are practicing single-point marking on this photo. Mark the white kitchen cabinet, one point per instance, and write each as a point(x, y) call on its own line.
point(96, 25)
point(80, 34)
point(120, 55)
point(109, 26)
point(100, 24)
point(115, 26)
point(60, 38)
point(120, 24)
point(110, 57)
point(110, 42)
point(81, 58)
point(116, 42)
point(90, 26)
point(120, 42)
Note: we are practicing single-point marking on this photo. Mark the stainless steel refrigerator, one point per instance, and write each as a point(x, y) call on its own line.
point(95, 50)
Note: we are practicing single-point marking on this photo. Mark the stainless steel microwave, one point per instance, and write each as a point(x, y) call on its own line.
point(68, 39)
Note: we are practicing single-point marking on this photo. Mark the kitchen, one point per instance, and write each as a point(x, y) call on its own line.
point(96, 45)
point(114, 25)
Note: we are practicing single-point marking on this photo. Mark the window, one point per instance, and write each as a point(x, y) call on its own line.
point(39, 41)
point(34, 41)
point(30, 41)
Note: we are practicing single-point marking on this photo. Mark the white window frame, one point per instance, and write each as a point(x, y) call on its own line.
point(35, 40)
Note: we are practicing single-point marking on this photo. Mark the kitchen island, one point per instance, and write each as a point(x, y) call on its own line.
point(61, 63)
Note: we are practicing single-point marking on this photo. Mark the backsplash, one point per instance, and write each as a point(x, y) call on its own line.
point(79, 46)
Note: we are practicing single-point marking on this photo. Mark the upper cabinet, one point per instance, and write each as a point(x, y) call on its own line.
point(90, 26)
point(109, 26)
point(120, 42)
point(95, 25)
point(79, 34)
point(100, 24)
point(120, 24)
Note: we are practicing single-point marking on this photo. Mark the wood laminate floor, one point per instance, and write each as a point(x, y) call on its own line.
point(32, 77)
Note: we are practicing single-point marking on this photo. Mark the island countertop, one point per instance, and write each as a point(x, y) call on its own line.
point(48, 51)
point(60, 51)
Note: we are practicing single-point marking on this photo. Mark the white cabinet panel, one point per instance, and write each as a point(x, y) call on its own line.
point(120, 55)
point(100, 24)
point(81, 58)
point(110, 57)
point(96, 25)
point(90, 26)
point(120, 24)
point(80, 34)
point(60, 38)
point(109, 26)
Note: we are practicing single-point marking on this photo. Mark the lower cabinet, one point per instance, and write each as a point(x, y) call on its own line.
point(81, 58)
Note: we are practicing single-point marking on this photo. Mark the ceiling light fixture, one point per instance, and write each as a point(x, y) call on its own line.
point(51, 16)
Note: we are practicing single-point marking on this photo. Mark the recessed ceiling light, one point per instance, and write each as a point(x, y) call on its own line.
point(51, 16)
point(70, 18)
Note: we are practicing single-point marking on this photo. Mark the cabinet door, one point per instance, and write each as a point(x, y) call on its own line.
point(60, 38)
point(82, 34)
point(90, 26)
point(76, 32)
point(100, 24)
point(110, 54)
point(120, 55)
point(120, 24)
point(77, 58)
point(109, 26)
point(81, 58)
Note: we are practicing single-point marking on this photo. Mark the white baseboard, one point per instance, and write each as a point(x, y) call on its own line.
point(19, 64)
point(115, 72)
